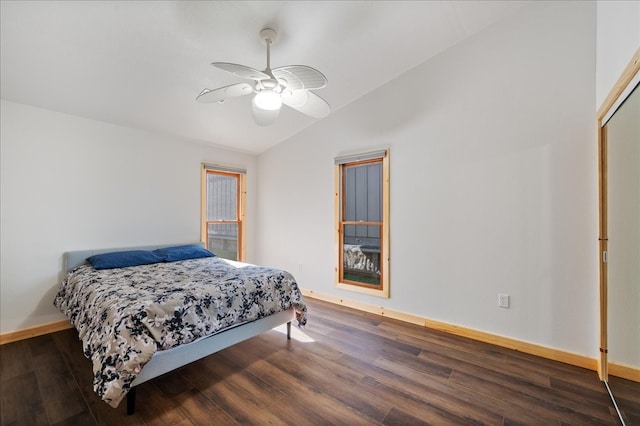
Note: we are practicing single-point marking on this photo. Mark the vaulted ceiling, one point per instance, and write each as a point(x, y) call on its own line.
point(142, 63)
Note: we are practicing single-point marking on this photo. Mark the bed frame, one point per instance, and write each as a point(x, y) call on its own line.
point(168, 360)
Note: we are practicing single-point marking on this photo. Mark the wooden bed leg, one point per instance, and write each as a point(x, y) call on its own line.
point(131, 401)
point(289, 330)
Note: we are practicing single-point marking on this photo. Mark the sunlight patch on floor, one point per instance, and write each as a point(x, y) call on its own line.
point(296, 333)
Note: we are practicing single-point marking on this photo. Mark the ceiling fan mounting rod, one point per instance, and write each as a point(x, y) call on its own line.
point(268, 35)
point(268, 41)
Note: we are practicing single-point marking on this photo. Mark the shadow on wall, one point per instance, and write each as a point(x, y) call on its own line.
point(45, 307)
point(392, 108)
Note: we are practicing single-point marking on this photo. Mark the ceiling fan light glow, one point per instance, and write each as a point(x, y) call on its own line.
point(268, 100)
point(264, 117)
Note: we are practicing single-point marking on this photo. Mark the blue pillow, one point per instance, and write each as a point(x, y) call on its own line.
point(173, 254)
point(123, 259)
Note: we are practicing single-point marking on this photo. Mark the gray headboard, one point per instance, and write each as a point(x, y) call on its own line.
point(73, 259)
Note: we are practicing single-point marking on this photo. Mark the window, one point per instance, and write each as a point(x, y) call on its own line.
point(223, 198)
point(362, 217)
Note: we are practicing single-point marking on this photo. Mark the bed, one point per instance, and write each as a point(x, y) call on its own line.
point(139, 321)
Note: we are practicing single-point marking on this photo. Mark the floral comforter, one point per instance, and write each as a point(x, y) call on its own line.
point(125, 315)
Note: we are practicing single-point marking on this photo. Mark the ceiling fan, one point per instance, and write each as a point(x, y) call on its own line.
point(290, 85)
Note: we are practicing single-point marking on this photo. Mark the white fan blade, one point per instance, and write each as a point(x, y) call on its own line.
point(295, 98)
point(242, 71)
point(314, 105)
point(264, 117)
point(297, 77)
point(223, 93)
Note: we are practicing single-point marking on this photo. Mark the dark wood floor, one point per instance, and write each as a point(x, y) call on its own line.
point(357, 368)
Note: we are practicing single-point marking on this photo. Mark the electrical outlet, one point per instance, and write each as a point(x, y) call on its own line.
point(503, 300)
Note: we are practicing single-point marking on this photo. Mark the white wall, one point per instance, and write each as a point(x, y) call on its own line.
point(493, 183)
point(69, 183)
point(618, 38)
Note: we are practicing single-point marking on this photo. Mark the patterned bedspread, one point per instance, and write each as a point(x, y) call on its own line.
point(125, 315)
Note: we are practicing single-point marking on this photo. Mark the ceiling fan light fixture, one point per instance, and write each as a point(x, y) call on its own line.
point(264, 117)
point(267, 100)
